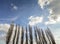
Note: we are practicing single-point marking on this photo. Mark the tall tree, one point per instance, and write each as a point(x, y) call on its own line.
point(31, 36)
point(39, 35)
point(17, 40)
point(43, 37)
point(22, 36)
point(35, 33)
point(51, 36)
point(9, 34)
point(15, 35)
point(26, 36)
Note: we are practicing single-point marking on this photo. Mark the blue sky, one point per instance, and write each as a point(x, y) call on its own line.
point(22, 9)
point(43, 13)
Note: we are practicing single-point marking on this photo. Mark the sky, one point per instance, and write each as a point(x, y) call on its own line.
point(43, 13)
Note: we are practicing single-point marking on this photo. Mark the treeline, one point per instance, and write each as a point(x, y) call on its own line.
point(31, 35)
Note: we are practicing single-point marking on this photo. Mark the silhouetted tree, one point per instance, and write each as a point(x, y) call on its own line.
point(35, 33)
point(26, 36)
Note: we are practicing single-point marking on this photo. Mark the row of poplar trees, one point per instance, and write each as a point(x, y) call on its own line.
point(31, 34)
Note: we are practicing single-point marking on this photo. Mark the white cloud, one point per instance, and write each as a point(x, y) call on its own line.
point(35, 20)
point(14, 7)
point(10, 19)
point(43, 3)
point(53, 6)
point(50, 22)
point(4, 27)
point(14, 18)
point(3, 30)
point(50, 11)
point(53, 19)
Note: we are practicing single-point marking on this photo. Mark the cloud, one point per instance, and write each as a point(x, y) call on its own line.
point(53, 20)
point(2, 35)
point(54, 10)
point(50, 22)
point(35, 20)
point(43, 3)
point(15, 18)
point(14, 7)
point(53, 6)
point(4, 27)
point(3, 30)
point(10, 19)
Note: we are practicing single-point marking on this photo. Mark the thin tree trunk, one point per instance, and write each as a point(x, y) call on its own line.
point(9, 34)
point(22, 36)
point(35, 33)
point(48, 37)
point(43, 36)
point(26, 36)
point(17, 40)
point(15, 35)
point(31, 36)
point(39, 35)
point(51, 36)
